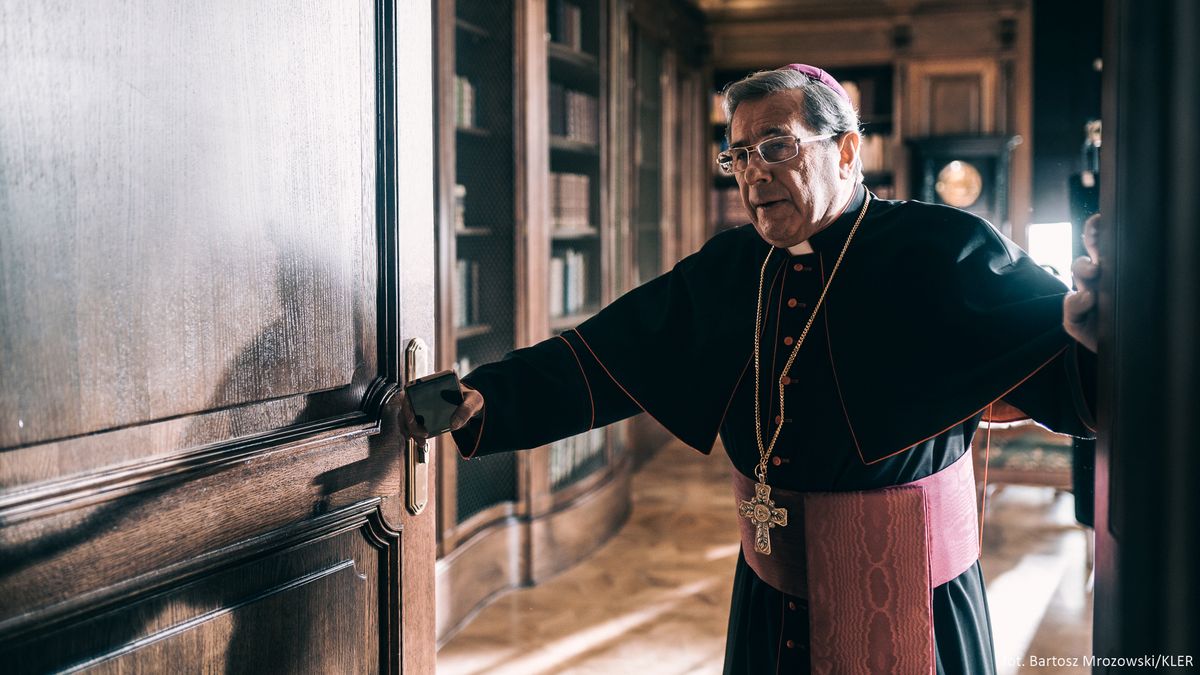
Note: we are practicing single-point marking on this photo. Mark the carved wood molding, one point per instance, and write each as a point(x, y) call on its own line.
point(120, 481)
point(365, 515)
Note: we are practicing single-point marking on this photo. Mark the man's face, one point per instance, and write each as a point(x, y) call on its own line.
point(789, 201)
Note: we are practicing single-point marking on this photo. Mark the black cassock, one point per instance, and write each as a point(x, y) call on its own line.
point(932, 316)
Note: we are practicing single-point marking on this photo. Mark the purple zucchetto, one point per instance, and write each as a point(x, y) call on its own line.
point(819, 75)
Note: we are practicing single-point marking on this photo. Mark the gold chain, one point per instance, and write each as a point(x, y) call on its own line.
point(760, 471)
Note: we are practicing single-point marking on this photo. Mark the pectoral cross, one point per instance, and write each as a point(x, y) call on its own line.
point(762, 512)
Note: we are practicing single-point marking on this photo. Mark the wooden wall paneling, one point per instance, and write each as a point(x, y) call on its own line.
point(609, 290)
point(774, 42)
point(1019, 110)
point(669, 156)
point(478, 570)
point(569, 535)
point(533, 172)
point(540, 498)
point(534, 239)
point(946, 98)
point(694, 161)
point(958, 32)
point(446, 496)
point(621, 88)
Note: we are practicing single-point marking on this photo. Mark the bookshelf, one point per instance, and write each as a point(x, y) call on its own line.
point(536, 233)
point(575, 269)
point(646, 70)
point(872, 90)
point(725, 206)
point(477, 178)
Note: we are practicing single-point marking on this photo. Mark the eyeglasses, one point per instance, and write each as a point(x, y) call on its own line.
point(773, 151)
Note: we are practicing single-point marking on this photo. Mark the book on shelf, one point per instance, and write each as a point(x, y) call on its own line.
point(568, 283)
point(574, 115)
point(717, 110)
point(464, 103)
point(884, 191)
point(566, 24)
point(875, 153)
point(727, 209)
point(557, 284)
point(460, 206)
point(568, 454)
point(569, 196)
point(466, 293)
point(854, 93)
point(717, 148)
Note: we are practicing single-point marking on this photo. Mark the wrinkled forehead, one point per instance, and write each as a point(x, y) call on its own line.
point(773, 115)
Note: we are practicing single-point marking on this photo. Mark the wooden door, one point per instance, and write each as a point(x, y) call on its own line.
point(1147, 504)
point(211, 262)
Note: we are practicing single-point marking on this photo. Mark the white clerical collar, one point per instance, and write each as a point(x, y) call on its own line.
point(801, 248)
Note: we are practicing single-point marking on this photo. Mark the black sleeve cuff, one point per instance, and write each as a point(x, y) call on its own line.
point(467, 437)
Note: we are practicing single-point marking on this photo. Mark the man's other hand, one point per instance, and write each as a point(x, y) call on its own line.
point(1079, 306)
point(399, 406)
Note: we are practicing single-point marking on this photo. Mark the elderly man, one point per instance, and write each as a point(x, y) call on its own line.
point(845, 349)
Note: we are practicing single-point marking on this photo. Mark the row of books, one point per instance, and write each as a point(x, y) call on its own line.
point(569, 200)
point(876, 153)
point(717, 148)
point(727, 209)
point(574, 115)
point(717, 109)
point(571, 453)
point(460, 206)
point(566, 24)
point(568, 282)
point(466, 293)
point(464, 103)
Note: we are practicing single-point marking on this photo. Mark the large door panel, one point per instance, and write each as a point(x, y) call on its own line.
point(205, 296)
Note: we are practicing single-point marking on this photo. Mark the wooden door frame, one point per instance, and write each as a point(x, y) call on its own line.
point(1147, 505)
point(415, 249)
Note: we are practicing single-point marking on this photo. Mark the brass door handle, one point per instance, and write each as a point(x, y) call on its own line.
point(416, 364)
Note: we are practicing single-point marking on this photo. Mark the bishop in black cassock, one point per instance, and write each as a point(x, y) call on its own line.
point(932, 317)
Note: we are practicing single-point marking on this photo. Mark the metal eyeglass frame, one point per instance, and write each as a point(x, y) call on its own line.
point(726, 158)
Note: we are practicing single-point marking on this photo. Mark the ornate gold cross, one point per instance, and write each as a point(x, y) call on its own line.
point(762, 512)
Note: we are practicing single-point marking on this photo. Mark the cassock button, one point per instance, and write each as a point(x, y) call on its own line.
point(776, 461)
point(792, 302)
point(778, 419)
point(788, 341)
point(790, 644)
point(786, 380)
point(791, 605)
point(799, 267)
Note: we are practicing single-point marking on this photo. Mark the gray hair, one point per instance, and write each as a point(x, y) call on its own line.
point(825, 112)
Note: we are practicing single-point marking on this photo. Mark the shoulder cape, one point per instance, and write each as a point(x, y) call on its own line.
point(933, 316)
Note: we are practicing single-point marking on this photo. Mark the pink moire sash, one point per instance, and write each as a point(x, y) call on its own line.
point(872, 560)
